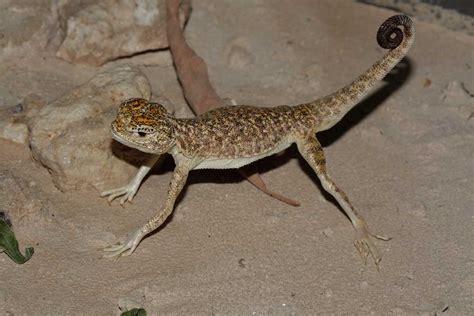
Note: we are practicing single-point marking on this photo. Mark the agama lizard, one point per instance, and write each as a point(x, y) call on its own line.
point(234, 136)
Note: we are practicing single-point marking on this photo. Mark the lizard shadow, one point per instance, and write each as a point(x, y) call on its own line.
point(130, 155)
point(393, 81)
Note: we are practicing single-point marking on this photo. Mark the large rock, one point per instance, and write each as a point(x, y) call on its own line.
point(109, 29)
point(71, 136)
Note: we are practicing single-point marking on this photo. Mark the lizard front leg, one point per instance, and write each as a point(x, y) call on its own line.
point(128, 192)
point(127, 247)
point(312, 152)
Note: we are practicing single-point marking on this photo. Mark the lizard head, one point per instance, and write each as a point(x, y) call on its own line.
point(144, 125)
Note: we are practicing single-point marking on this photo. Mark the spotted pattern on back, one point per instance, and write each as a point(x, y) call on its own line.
point(235, 131)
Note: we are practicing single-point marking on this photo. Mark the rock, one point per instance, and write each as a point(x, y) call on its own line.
point(109, 29)
point(71, 136)
point(14, 131)
point(13, 119)
point(328, 293)
point(127, 303)
point(397, 310)
point(24, 24)
point(409, 275)
point(328, 232)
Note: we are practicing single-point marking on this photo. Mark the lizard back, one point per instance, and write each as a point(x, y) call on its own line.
point(235, 131)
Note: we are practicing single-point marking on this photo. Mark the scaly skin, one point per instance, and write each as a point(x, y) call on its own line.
point(231, 137)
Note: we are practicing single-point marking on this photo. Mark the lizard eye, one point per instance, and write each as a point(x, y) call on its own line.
point(142, 131)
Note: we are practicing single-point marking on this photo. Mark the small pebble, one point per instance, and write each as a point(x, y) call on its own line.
point(426, 83)
point(238, 54)
point(328, 293)
point(239, 58)
point(396, 310)
point(328, 232)
point(18, 108)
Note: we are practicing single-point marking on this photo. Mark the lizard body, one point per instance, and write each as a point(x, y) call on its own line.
point(231, 137)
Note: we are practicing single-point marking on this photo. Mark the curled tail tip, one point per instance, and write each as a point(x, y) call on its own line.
point(390, 36)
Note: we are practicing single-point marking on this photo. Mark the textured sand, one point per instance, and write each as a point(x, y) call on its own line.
point(404, 156)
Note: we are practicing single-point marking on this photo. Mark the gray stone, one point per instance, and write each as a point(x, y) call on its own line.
point(13, 119)
point(109, 29)
point(71, 135)
point(24, 23)
point(14, 131)
point(328, 232)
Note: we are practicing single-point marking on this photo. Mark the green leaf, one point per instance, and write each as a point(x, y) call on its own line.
point(9, 244)
point(134, 312)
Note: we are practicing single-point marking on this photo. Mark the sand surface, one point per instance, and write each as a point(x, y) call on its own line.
point(404, 156)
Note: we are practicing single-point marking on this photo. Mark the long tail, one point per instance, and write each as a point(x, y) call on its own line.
point(389, 36)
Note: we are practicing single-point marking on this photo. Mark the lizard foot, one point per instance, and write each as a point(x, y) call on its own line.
point(125, 248)
point(366, 246)
point(127, 193)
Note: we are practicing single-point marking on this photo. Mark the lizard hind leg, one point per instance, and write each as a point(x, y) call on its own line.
point(312, 152)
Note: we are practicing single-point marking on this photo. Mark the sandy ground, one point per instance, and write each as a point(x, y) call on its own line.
point(403, 156)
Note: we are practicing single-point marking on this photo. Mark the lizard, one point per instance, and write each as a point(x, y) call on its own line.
point(234, 136)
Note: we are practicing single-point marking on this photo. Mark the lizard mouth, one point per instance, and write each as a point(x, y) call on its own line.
point(131, 144)
point(123, 140)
